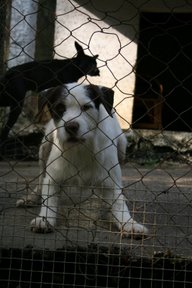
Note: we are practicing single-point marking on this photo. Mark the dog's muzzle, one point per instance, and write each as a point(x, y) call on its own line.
point(72, 129)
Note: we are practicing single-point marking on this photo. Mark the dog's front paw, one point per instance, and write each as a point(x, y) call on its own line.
point(28, 201)
point(24, 202)
point(134, 230)
point(41, 225)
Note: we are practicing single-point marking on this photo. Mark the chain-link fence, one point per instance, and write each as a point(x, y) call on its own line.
point(68, 211)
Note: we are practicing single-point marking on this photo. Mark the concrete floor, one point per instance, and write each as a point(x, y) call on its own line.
point(160, 197)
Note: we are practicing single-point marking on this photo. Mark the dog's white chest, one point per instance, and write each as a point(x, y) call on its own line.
point(73, 169)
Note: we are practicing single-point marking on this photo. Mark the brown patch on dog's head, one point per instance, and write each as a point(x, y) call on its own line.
point(53, 98)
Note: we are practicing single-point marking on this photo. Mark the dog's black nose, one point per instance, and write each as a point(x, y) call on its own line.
point(72, 127)
point(94, 72)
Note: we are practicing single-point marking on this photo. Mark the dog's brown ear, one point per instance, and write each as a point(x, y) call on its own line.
point(43, 114)
point(45, 98)
point(102, 95)
point(107, 98)
point(50, 96)
point(79, 49)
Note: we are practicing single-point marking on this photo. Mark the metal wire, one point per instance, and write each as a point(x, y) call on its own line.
point(86, 249)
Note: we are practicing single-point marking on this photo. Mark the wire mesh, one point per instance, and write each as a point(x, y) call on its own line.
point(144, 55)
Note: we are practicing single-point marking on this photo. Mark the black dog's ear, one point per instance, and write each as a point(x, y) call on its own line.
point(102, 95)
point(79, 49)
point(96, 56)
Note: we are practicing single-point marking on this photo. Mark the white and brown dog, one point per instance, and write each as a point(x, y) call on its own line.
point(82, 147)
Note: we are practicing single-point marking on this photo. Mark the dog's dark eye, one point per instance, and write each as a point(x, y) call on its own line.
point(58, 110)
point(86, 107)
point(60, 107)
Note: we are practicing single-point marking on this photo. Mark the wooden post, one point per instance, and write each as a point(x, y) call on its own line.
point(5, 11)
point(45, 29)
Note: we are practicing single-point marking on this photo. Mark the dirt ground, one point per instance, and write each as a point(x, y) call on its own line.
point(158, 196)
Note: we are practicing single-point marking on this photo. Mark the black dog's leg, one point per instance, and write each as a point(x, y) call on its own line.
point(15, 111)
point(14, 94)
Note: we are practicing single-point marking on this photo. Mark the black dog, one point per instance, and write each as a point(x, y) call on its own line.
point(40, 75)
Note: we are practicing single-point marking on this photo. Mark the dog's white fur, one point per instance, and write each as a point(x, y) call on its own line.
point(87, 158)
